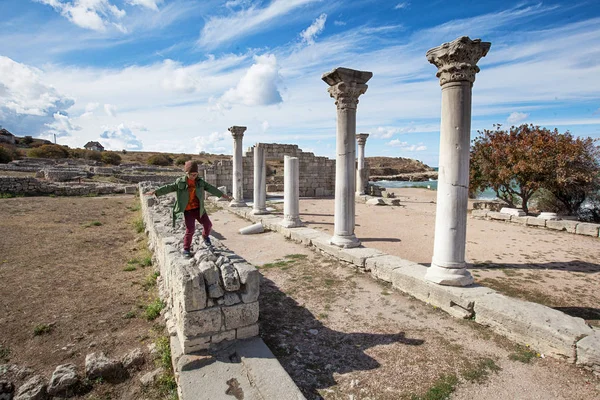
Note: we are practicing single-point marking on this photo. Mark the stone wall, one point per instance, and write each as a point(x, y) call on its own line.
point(210, 298)
point(33, 186)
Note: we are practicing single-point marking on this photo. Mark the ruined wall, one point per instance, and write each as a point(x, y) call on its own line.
point(33, 186)
point(210, 298)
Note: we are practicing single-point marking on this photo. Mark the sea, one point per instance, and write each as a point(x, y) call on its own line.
point(487, 194)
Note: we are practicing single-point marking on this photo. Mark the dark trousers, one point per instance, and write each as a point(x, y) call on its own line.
point(191, 216)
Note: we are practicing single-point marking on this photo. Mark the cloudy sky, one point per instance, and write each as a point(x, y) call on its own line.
point(173, 75)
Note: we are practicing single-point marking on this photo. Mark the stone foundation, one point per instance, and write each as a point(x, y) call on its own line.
point(36, 187)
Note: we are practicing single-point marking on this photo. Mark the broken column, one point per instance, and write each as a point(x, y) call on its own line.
point(291, 193)
point(362, 180)
point(345, 86)
point(260, 181)
point(238, 175)
point(457, 66)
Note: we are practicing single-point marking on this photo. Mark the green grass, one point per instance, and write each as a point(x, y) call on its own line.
point(129, 268)
point(136, 207)
point(138, 224)
point(441, 389)
point(129, 315)
point(296, 256)
point(7, 195)
point(93, 223)
point(163, 347)
point(146, 261)
point(4, 354)
point(481, 371)
point(153, 309)
point(523, 354)
point(276, 264)
point(42, 329)
point(150, 281)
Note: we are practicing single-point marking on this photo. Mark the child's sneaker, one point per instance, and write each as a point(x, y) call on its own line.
point(208, 243)
point(187, 253)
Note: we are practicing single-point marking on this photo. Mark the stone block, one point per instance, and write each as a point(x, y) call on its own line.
point(322, 243)
point(568, 226)
point(588, 352)
point(546, 330)
point(221, 336)
point(517, 212)
point(247, 331)
point(456, 301)
point(533, 221)
point(240, 315)
point(250, 280)
point(193, 344)
point(519, 220)
point(584, 228)
point(203, 322)
point(193, 291)
point(358, 255)
point(498, 216)
point(304, 235)
point(382, 267)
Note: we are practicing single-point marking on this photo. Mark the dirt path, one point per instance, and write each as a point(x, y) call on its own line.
point(557, 269)
point(74, 279)
point(341, 335)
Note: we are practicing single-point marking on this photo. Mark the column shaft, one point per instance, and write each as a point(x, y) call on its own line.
point(291, 193)
point(238, 173)
point(345, 178)
point(260, 181)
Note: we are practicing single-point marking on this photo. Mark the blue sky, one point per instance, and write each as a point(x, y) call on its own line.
point(173, 75)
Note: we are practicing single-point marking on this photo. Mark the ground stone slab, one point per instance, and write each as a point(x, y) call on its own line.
point(64, 380)
point(358, 255)
point(33, 389)
point(133, 359)
point(588, 229)
point(546, 330)
point(588, 351)
point(382, 267)
point(568, 226)
point(97, 365)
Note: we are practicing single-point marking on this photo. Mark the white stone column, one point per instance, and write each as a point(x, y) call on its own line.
point(361, 174)
point(345, 86)
point(457, 66)
point(291, 193)
point(237, 188)
point(260, 181)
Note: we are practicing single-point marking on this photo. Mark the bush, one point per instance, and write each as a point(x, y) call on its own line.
point(182, 159)
point(49, 151)
point(8, 153)
point(27, 140)
point(109, 157)
point(160, 159)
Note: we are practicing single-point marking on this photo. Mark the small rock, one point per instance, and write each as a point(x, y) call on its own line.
point(97, 365)
point(7, 389)
point(376, 202)
point(33, 389)
point(152, 348)
point(64, 380)
point(150, 377)
point(313, 331)
point(133, 359)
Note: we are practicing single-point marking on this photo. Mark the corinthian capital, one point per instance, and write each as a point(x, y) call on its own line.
point(361, 138)
point(237, 131)
point(457, 61)
point(346, 85)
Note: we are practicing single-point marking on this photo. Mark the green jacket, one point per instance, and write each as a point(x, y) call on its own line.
point(181, 187)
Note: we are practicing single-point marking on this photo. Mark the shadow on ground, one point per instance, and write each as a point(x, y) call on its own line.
point(309, 351)
point(571, 266)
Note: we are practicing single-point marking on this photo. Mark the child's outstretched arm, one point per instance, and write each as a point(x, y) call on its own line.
point(171, 187)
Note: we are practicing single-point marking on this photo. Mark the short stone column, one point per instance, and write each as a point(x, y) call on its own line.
point(260, 181)
point(345, 86)
point(237, 187)
point(291, 193)
point(362, 179)
point(457, 66)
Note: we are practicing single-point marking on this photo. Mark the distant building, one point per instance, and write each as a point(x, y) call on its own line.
point(94, 146)
point(6, 137)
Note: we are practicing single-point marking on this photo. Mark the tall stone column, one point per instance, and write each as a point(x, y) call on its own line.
point(291, 193)
point(238, 175)
point(361, 174)
point(260, 181)
point(457, 66)
point(345, 86)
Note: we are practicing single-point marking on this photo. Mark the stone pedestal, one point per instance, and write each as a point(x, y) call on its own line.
point(456, 62)
point(237, 188)
point(260, 182)
point(346, 85)
point(291, 193)
point(362, 178)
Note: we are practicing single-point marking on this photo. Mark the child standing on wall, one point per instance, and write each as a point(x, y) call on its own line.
point(190, 201)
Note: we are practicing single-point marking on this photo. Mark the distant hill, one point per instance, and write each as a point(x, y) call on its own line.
point(381, 166)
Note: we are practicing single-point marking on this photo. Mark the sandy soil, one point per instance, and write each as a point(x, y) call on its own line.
point(64, 292)
point(342, 335)
point(554, 268)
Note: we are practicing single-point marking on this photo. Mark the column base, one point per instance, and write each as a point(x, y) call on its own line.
point(291, 223)
point(345, 242)
point(448, 276)
point(238, 203)
point(261, 211)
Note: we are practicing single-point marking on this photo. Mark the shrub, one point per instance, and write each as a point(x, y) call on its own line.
point(182, 159)
point(160, 159)
point(27, 140)
point(124, 151)
point(49, 151)
point(93, 155)
point(109, 157)
point(5, 156)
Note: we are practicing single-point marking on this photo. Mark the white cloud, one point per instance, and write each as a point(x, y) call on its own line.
point(220, 30)
point(95, 15)
point(211, 142)
point(339, 23)
point(151, 4)
point(402, 5)
point(386, 132)
point(405, 146)
point(61, 126)
point(110, 110)
point(258, 87)
point(516, 117)
point(309, 34)
point(89, 109)
point(265, 126)
point(119, 138)
point(238, 3)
